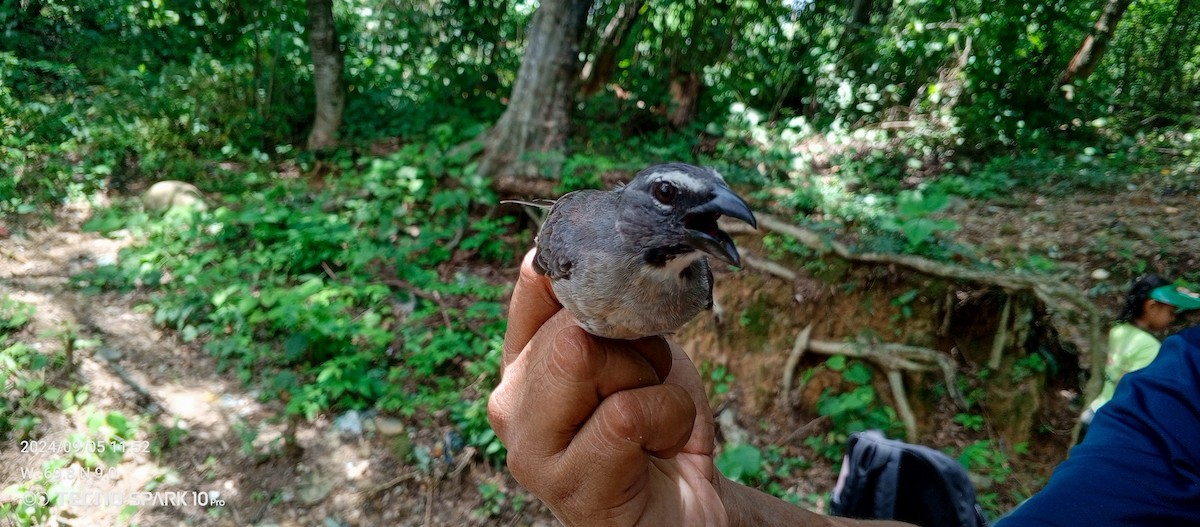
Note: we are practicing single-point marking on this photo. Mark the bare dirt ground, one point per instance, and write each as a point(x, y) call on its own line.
point(346, 475)
point(351, 473)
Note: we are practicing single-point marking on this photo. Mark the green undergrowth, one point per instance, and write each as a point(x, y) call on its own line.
point(338, 299)
point(39, 385)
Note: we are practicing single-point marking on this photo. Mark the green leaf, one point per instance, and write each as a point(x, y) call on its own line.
point(220, 296)
point(740, 462)
point(836, 363)
point(295, 345)
point(857, 373)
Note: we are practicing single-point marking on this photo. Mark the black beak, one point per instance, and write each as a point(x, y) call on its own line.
point(701, 225)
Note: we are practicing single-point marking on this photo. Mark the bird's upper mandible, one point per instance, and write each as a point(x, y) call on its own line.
point(630, 262)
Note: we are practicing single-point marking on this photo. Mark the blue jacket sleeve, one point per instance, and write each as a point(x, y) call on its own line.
point(1140, 462)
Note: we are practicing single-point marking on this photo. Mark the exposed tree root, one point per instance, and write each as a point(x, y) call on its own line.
point(1001, 338)
point(891, 358)
point(789, 369)
point(1054, 295)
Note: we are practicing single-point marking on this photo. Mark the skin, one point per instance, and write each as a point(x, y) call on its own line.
point(1156, 316)
point(616, 433)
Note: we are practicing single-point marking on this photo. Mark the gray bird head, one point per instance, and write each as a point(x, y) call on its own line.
point(671, 210)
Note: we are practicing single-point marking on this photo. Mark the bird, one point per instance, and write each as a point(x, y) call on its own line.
point(632, 262)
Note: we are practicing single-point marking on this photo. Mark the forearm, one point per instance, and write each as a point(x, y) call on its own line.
point(750, 507)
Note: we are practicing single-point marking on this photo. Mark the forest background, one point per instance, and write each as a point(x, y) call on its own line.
point(956, 194)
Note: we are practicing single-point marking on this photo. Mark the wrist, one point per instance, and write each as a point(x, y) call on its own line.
point(746, 506)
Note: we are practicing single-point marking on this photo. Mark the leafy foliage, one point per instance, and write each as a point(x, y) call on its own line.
point(349, 279)
point(337, 300)
point(850, 411)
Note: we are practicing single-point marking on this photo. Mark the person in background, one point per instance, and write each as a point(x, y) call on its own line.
point(1140, 465)
point(620, 433)
point(1150, 307)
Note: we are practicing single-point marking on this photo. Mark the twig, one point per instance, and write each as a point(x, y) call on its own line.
point(433, 483)
point(457, 239)
point(375, 491)
point(802, 430)
point(464, 460)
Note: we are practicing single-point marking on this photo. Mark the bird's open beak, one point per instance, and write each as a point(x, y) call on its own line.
point(701, 224)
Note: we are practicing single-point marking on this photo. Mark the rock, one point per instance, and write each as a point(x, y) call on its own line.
point(732, 432)
point(1145, 232)
point(356, 469)
point(109, 353)
point(349, 423)
point(1100, 274)
point(402, 447)
point(171, 194)
point(1182, 235)
point(313, 488)
point(389, 426)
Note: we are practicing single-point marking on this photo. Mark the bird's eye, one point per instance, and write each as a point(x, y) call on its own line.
point(665, 192)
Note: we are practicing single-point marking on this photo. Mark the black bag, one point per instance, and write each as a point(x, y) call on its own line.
point(885, 479)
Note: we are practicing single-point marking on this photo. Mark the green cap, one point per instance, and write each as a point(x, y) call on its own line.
point(1180, 297)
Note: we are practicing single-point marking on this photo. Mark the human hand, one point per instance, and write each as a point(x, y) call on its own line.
point(603, 431)
point(611, 432)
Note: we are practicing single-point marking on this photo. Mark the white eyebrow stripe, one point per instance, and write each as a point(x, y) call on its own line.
point(681, 180)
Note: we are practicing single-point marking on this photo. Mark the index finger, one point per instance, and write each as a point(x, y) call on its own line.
point(533, 303)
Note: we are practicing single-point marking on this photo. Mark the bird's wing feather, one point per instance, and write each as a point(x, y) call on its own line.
point(575, 222)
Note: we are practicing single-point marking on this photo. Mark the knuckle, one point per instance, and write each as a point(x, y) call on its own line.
point(498, 411)
point(535, 474)
point(575, 357)
point(626, 418)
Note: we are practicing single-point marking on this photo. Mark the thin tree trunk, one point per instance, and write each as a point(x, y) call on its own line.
point(528, 140)
point(685, 83)
point(685, 95)
point(860, 20)
point(597, 72)
point(327, 75)
point(1088, 57)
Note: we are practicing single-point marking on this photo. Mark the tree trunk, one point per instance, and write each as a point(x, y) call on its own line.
point(685, 96)
point(327, 75)
point(598, 71)
point(1094, 45)
point(528, 140)
point(702, 45)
